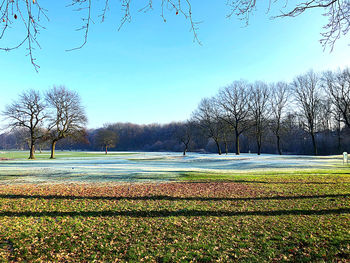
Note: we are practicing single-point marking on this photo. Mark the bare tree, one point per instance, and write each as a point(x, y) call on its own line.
point(32, 16)
point(326, 114)
point(28, 112)
point(338, 88)
point(234, 102)
point(259, 106)
point(278, 101)
point(184, 134)
point(308, 97)
point(106, 138)
point(291, 130)
point(67, 118)
point(208, 117)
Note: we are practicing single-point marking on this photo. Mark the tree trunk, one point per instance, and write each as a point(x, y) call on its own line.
point(53, 148)
point(32, 150)
point(339, 136)
point(106, 149)
point(226, 147)
point(259, 144)
point(314, 143)
point(279, 145)
point(218, 146)
point(237, 143)
point(185, 150)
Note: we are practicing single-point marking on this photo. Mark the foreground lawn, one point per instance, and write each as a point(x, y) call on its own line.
point(266, 217)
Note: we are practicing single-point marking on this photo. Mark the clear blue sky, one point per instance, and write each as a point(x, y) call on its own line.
point(152, 72)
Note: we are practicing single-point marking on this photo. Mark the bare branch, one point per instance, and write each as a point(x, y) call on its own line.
point(87, 20)
point(337, 11)
point(28, 14)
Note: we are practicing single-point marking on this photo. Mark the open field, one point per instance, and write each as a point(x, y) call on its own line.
point(248, 215)
point(152, 167)
point(265, 218)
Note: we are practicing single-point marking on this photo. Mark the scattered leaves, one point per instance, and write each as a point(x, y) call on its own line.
point(272, 219)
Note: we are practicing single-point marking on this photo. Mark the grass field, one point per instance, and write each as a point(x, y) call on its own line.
point(59, 154)
point(96, 167)
point(262, 217)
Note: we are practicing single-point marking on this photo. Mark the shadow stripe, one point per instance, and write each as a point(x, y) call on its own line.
point(167, 213)
point(173, 198)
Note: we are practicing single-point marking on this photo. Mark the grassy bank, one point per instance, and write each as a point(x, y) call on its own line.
point(252, 218)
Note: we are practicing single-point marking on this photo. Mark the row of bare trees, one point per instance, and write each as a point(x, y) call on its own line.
point(172, 137)
point(309, 115)
point(54, 116)
point(321, 102)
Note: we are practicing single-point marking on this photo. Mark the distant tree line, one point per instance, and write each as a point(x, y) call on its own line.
point(310, 115)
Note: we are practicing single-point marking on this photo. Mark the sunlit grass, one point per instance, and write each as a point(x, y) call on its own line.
point(316, 174)
point(261, 217)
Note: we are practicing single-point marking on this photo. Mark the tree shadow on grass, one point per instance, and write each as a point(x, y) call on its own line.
point(170, 198)
point(168, 213)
